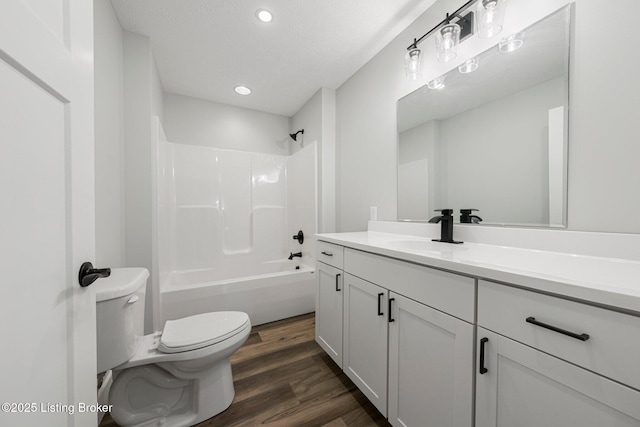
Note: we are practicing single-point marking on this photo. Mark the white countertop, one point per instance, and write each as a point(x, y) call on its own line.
point(607, 281)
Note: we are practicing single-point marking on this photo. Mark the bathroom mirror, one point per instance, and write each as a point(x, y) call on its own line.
point(494, 139)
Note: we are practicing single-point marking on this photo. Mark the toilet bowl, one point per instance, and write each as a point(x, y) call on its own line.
point(177, 377)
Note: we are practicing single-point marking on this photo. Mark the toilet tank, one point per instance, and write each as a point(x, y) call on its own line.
point(119, 315)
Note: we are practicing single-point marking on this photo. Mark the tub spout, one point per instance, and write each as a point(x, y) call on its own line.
point(297, 254)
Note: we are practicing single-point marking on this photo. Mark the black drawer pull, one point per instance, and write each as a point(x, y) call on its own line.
point(380, 313)
point(326, 253)
point(391, 319)
point(581, 337)
point(483, 370)
point(337, 281)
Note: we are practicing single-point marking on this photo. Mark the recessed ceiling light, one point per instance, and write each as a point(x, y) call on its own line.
point(242, 90)
point(264, 15)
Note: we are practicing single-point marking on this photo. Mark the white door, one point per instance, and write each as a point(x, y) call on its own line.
point(48, 356)
point(519, 386)
point(430, 367)
point(365, 338)
point(329, 311)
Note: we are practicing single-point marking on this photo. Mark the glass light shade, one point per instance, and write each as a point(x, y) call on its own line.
point(437, 83)
point(489, 17)
point(511, 43)
point(413, 63)
point(469, 66)
point(447, 40)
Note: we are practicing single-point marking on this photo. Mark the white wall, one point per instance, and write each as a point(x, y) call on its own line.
point(142, 99)
point(318, 119)
point(309, 118)
point(302, 209)
point(109, 137)
point(603, 121)
point(603, 151)
point(195, 121)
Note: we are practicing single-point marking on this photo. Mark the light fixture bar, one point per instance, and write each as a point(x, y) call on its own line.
point(454, 15)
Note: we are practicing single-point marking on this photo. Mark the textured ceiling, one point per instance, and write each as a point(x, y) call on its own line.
point(204, 48)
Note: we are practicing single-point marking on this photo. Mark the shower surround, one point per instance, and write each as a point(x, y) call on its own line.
point(225, 222)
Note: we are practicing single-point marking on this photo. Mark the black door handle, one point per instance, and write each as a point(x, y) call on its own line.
point(337, 280)
point(88, 274)
point(380, 313)
point(391, 319)
point(483, 370)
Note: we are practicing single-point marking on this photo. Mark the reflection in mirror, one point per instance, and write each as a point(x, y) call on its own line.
point(495, 138)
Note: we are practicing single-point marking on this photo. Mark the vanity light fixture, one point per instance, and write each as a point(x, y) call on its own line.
point(437, 83)
point(264, 15)
point(412, 64)
point(455, 28)
point(242, 90)
point(469, 66)
point(447, 40)
point(490, 14)
point(511, 43)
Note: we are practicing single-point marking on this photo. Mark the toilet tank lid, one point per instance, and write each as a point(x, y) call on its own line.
point(121, 282)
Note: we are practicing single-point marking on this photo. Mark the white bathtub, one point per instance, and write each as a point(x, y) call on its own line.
point(267, 292)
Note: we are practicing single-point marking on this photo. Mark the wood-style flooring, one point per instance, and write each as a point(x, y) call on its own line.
point(283, 378)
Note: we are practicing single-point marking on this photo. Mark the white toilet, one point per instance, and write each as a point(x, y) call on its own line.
point(178, 377)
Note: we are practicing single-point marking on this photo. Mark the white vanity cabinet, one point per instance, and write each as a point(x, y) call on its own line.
point(401, 344)
point(546, 361)
point(365, 338)
point(329, 300)
point(430, 366)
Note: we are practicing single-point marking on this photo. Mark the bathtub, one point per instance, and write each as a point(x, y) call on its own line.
point(266, 292)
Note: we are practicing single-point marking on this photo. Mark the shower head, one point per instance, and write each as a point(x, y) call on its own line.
point(294, 136)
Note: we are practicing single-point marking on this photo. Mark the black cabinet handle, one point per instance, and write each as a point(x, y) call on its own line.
point(483, 370)
point(337, 282)
point(391, 319)
point(88, 274)
point(581, 337)
point(380, 313)
point(326, 253)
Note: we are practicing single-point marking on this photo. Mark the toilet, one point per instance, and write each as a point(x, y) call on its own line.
point(177, 377)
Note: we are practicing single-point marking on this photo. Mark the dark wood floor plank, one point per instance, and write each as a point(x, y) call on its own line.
point(277, 400)
point(285, 374)
point(265, 363)
point(275, 340)
point(338, 422)
point(284, 379)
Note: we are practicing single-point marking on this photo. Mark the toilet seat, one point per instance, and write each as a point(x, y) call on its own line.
point(201, 330)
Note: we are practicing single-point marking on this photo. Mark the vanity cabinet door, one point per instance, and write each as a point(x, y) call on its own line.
point(329, 310)
point(365, 338)
point(430, 366)
point(519, 386)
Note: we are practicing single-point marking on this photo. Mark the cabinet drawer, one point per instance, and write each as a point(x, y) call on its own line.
point(612, 347)
point(330, 254)
point(447, 292)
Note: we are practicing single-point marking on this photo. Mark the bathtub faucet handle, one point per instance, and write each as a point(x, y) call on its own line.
point(299, 237)
point(297, 254)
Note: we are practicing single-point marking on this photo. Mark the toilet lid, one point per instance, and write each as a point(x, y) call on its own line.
point(201, 330)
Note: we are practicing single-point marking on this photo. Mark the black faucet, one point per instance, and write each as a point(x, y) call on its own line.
point(298, 254)
point(467, 218)
point(446, 226)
